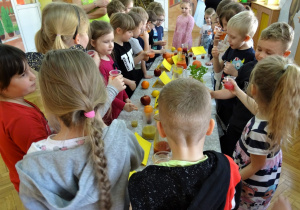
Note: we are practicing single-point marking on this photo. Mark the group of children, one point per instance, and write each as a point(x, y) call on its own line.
point(81, 157)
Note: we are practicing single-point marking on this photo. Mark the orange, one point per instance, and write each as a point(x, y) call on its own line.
point(170, 60)
point(179, 49)
point(148, 109)
point(197, 63)
point(167, 55)
point(145, 84)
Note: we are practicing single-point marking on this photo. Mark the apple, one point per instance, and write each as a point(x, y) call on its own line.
point(145, 100)
point(157, 72)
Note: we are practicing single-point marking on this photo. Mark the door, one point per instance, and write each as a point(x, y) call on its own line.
point(28, 17)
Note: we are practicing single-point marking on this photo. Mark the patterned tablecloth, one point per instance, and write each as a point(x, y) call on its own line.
point(211, 142)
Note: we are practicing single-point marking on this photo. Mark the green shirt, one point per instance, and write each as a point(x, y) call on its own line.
point(103, 18)
point(181, 163)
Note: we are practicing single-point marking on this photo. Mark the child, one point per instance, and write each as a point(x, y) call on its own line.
point(184, 27)
point(238, 54)
point(128, 5)
point(65, 26)
point(276, 39)
point(275, 102)
point(206, 31)
point(123, 26)
point(86, 164)
point(214, 23)
point(193, 179)
point(158, 30)
point(136, 47)
point(152, 5)
point(115, 6)
point(102, 40)
point(21, 121)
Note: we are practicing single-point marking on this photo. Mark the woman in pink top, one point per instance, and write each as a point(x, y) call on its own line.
point(102, 40)
point(184, 26)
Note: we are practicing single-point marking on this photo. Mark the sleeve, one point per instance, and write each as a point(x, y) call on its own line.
point(136, 151)
point(28, 129)
point(189, 28)
point(34, 60)
point(151, 42)
point(136, 47)
point(112, 92)
point(162, 32)
point(104, 74)
point(125, 96)
point(257, 143)
point(118, 103)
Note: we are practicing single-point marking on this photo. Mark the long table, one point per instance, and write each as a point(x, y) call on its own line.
point(211, 142)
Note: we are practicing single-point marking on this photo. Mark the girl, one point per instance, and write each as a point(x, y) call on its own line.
point(123, 26)
point(128, 4)
point(21, 121)
point(66, 26)
point(86, 164)
point(184, 26)
point(102, 40)
point(275, 104)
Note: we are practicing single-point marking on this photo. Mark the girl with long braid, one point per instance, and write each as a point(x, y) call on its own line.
point(86, 164)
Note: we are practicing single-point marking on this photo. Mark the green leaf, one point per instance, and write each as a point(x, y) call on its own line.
point(197, 73)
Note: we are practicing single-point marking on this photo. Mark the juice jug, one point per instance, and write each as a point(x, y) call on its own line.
point(177, 72)
point(160, 144)
point(181, 60)
point(149, 128)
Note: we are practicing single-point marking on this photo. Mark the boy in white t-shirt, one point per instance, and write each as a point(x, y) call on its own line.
point(206, 30)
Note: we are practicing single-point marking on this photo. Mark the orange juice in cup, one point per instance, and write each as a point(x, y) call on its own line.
point(222, 37)
point(151, 54)
point(114, 73)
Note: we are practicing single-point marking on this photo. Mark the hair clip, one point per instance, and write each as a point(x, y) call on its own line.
point(58, 35)
point(90, 114)
point(287, 65)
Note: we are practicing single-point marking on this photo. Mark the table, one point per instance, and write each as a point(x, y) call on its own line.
point(211, 142)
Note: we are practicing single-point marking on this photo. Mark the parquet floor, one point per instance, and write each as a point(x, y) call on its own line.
point(289, 184)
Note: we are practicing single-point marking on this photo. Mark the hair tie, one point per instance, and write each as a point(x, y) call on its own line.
point(90, 114)
point(287, 65)
point(58, 35)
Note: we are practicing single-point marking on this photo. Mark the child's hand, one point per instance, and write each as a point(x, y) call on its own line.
point(131, 84)
point(117, 82)
point(162, 51)
point(145, 36)
point(145, 56)
point(146, 76)
point(215, 52)
point(127, 100)
point(217, 35)
point(161, 43)
point(230, 69)
point(209, 63)
point(129, 107)
point(102, 3)
point(97, 59)
point(228, 83)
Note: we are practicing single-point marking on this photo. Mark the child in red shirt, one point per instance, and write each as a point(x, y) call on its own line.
point(102, 41)
point(21, 121)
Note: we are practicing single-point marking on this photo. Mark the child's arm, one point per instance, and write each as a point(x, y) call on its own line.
point(222, 94)
point(162, 51)
point(144, 69)
point(141, 56)
point(249, 103)
point(257, 163)
point(199, 43)
point(99, 12)
point(130, 83)
point(218, 65)
point(145, 37)
point(230, 69)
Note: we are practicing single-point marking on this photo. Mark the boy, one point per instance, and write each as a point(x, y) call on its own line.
point(276, 39)
point(214, 23)
point(114, 7)
point(128, 5)
point(158, 30)
point(206, 30)
point(137, 49)
point(193, 179)
point(240, 29)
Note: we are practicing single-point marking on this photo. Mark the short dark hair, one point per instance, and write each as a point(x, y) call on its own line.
point(114, 7)
point(12, 62)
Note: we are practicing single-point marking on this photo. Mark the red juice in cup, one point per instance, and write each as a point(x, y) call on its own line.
point(228, 85)
point(162, 146)
point(114, 73)
point(91, 53)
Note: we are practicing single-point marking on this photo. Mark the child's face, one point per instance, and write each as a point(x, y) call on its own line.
point(208, 19)
point(129, 7)
point(126, 36)
point(266, 48)
point(144, 26)
point(185, 9)
point(224, 22)
point(21, 84)
point(214, 22)
point(104, 44)
point(152, 25)
point(235, 39)
point(160, 20)
point(138, 30)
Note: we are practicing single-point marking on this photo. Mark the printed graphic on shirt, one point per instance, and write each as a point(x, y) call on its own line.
point(237, 63)
point(128, 60)
point(155, 38)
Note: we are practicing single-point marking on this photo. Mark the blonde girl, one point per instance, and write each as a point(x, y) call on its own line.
point(102, 40)
point(184, 26)
point(275, 102)
point(86, 164)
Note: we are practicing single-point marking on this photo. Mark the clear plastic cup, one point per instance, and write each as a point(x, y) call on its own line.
point(91, 53)
point(114, 73)
point(162, 156)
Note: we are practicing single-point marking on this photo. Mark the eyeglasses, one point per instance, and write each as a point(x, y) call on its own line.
point(78, 16)
point(160, 20)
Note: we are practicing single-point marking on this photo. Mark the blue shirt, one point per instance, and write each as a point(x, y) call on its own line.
point(158, 33)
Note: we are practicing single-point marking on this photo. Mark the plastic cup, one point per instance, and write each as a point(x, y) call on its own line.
point(216, 29)
point(91, 53)
point(151, 54)
point(162, 156)
point(227, 84)
point(222, 37)
point(114, 73)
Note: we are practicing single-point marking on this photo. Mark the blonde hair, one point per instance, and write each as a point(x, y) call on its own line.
point(141, 12)
point(185, 102)
point(209, 11)
point(153, 4)
point(98, 28)
point(122, 21)
point(244, 22)
point(60, 23)
point(115, 6)
point(278, 92)
point(137, 19)
point(279, 31)
point(159, 11)
point(71, 86)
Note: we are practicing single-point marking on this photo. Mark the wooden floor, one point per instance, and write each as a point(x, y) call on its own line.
point(289, 184)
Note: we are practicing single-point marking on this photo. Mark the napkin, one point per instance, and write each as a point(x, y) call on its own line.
point(146, 145)
point(198, 50)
